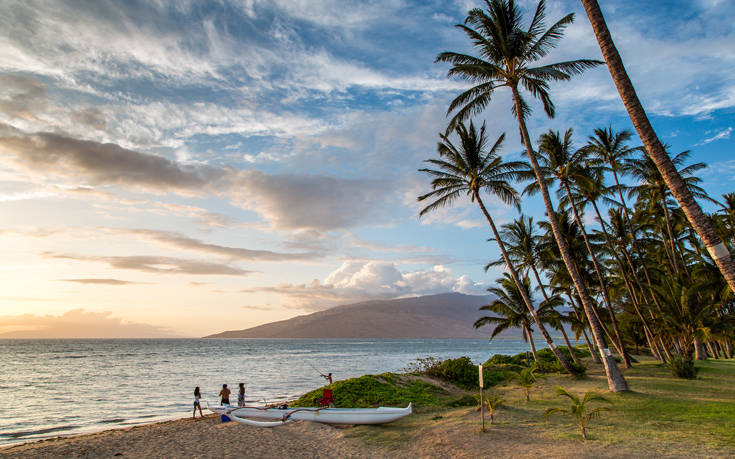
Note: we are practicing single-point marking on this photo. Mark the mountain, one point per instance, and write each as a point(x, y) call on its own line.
point(448, 315)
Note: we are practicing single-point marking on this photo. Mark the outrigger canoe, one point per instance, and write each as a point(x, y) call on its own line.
point(272, 417)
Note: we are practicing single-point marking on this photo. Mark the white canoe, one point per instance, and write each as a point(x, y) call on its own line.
point(271, 417)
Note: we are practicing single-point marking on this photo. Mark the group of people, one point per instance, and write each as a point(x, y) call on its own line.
point(224, 397)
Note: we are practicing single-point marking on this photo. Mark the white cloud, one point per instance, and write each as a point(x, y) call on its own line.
point(723, 134)
point(364, 280)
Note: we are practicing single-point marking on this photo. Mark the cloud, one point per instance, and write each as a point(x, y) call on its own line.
point(723, 134)
point(287, 201)
point(365, 280)
point(181, 241)
point(258, 308)
point(159, 265)
point(95, 163)
point(91, 117)
point(21, 96)
point(313, 201)
point(100, 281)
point(77, 323)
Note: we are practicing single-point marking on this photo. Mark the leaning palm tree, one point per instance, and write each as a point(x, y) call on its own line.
point(560, 162)
point(511, 310)
point(467, 169)
point(507, 55)
point(655, 149)
point(579, 410)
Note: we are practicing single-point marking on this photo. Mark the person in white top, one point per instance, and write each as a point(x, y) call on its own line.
point(197, 403)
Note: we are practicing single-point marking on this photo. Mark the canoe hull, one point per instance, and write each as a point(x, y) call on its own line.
point(379, 415)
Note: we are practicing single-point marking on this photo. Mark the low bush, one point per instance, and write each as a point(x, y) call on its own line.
point(387, 389)
point(463, 373)
point(683, 367)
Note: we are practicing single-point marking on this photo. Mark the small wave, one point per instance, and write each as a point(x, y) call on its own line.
point(69, 357)
point(27, 433)
point(112, 421)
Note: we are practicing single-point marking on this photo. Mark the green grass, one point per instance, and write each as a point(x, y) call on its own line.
point(660, 416)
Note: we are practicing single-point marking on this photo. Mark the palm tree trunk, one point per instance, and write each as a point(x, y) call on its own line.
point(563, 333)
point(615, 380)
point(590, 345)
point(562, 360)
point(701, 223)
point(618, 341)
point(699, 351)
point(634, 242)
point(670, 231)
point(628, 284)
point(527, 331)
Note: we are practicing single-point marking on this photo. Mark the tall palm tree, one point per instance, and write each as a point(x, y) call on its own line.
point(508, 52)
point(560, 162)
point(467, 169)
point(510, 308)
point(655, 149)
point(652, 189)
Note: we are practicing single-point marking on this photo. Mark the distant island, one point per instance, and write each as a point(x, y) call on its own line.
point(447, 315)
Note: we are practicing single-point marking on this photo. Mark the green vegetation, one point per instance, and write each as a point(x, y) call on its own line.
point(640, 275)
point(387, 389)
point(526, 379)
point(661, 416)
point(580, 410)
point(493, 402)
point(683, 367)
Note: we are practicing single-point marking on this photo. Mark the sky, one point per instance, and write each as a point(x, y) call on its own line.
point(180, 168)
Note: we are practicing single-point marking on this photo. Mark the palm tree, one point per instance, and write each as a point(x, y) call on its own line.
point(468, 169)
point(493, 402)
point(526, 379)
point(507, 52)
point(655, 149)
point(652, 189)
point(511, 310)
point(579, 410)
point(548, 314)
point(560, 163)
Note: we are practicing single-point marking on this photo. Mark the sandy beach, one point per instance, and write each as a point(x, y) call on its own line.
point(453, 434)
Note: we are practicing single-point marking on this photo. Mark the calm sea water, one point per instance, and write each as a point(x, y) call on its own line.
point(63, 387)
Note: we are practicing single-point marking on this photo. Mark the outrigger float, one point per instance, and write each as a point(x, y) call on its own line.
point(274, 417)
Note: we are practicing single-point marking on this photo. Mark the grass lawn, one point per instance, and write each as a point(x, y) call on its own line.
point(662, 416)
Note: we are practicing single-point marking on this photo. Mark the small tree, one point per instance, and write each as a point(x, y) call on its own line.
point(526, 378)
point(493, 402)
point(579, 410)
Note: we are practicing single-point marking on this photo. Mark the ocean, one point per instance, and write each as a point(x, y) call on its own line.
point(64, 387)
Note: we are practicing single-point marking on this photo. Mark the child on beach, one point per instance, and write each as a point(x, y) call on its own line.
point(197, 403)
point(225, 394)
point(241, 395)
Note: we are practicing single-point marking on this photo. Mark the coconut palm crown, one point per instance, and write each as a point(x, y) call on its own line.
point(506, 54)
point(467, 169)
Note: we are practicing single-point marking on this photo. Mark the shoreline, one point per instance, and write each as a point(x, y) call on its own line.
point(650, 421)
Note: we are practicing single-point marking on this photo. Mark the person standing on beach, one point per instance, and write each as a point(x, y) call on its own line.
point(225, 394)
point(197, 402)
point(241, 395)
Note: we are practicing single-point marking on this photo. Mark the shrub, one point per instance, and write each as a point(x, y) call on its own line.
point(421, 365)
point(463, 373)
point(683, 367)
point(387, 389)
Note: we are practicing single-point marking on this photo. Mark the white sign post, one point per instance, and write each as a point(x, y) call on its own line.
point(482, 400)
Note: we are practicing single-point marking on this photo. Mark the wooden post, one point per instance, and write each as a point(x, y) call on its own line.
point(482, 399)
